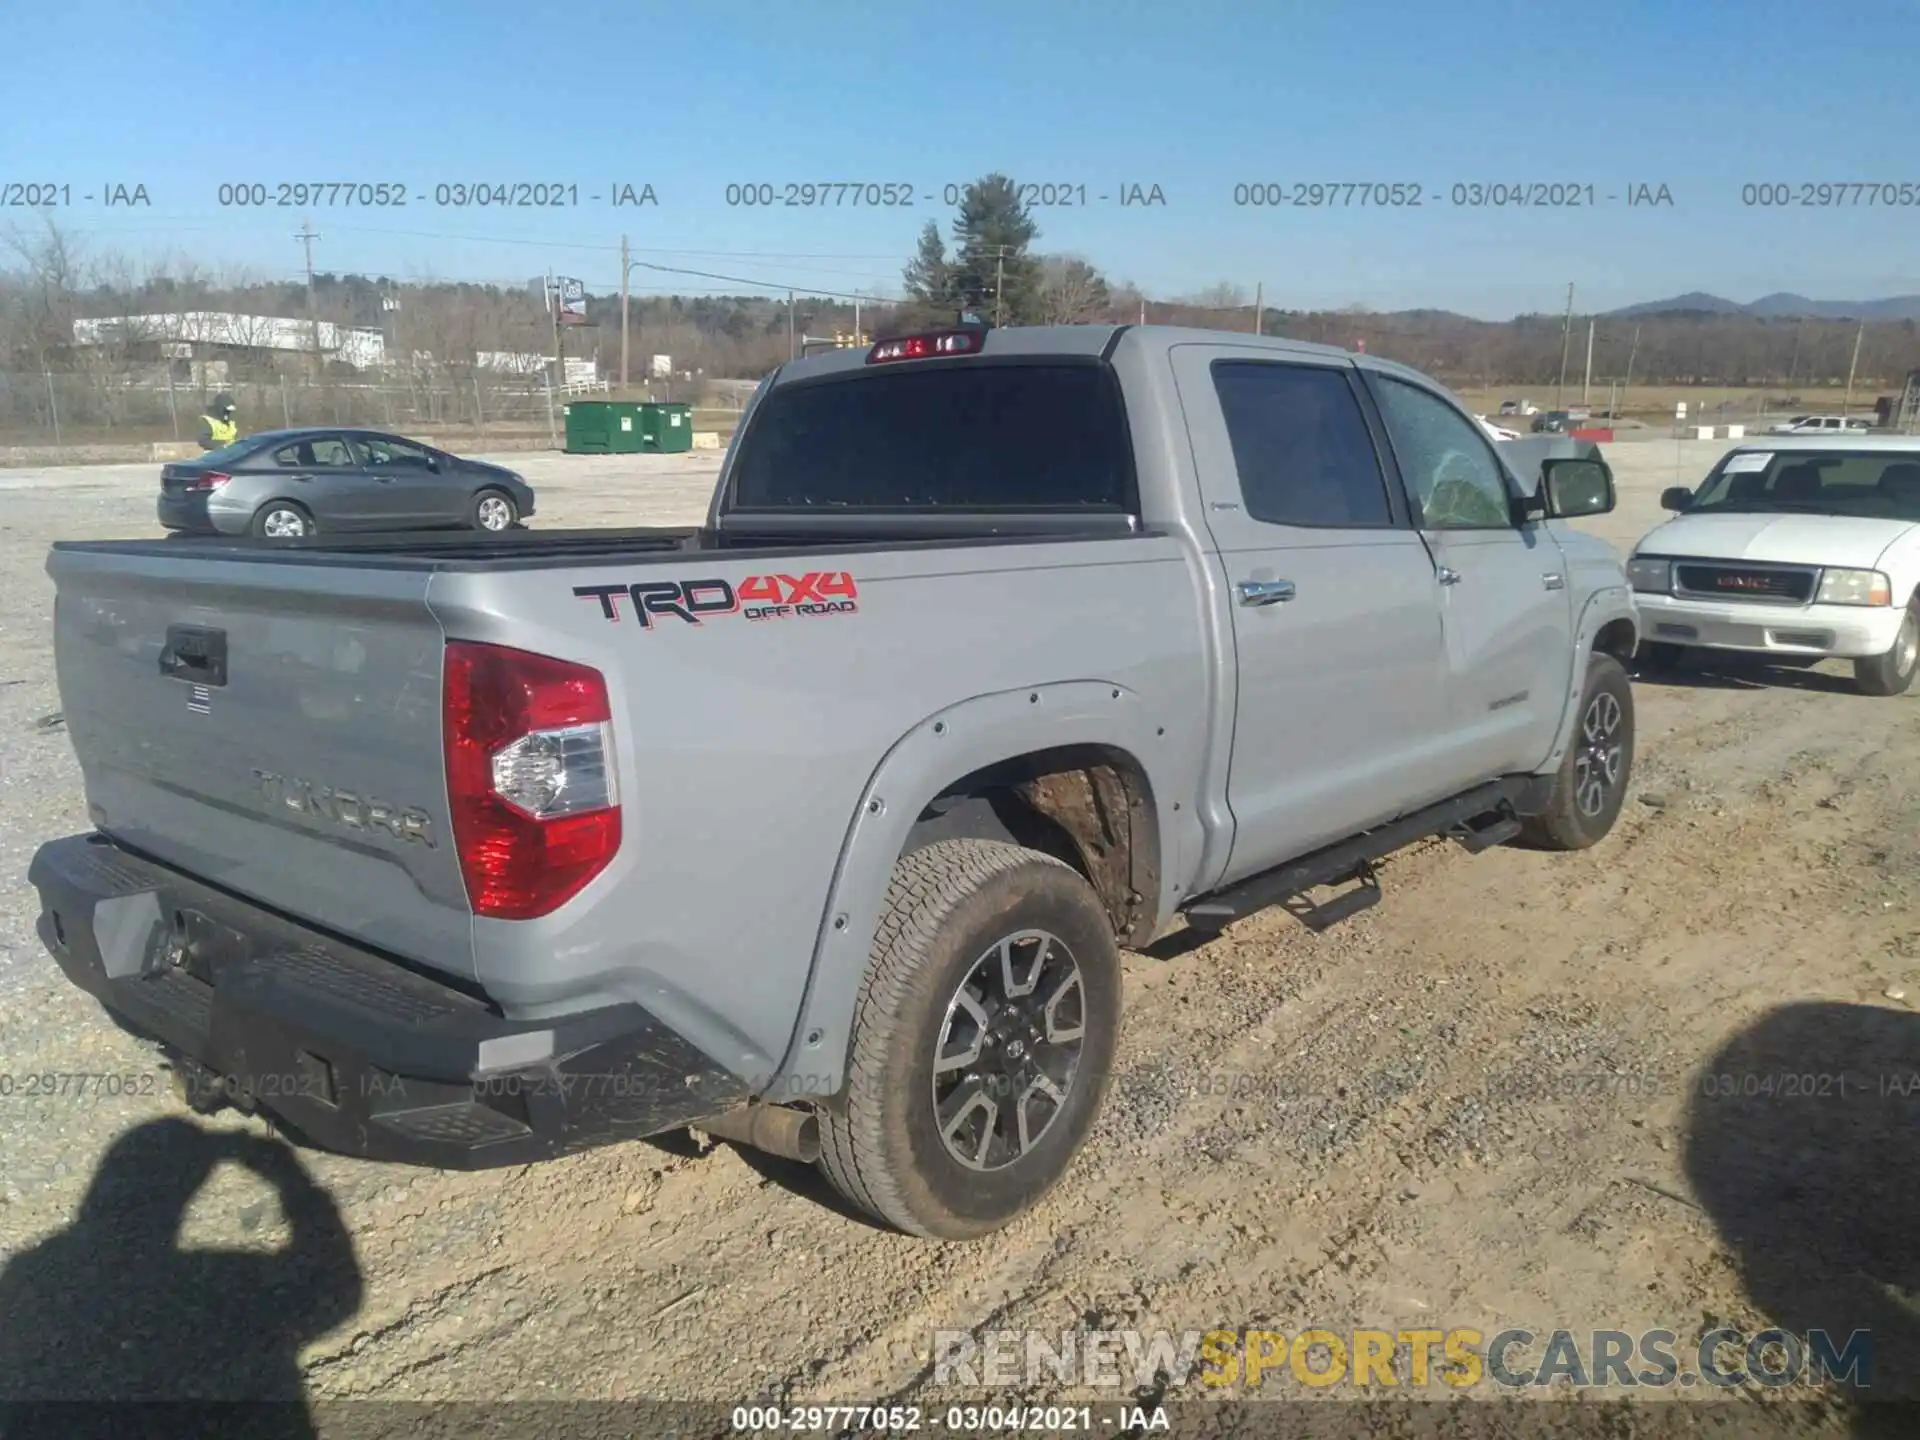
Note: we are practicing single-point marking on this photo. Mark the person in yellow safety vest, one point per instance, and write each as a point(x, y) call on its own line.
point(216, 426)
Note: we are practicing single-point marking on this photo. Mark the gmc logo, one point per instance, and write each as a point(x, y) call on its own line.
point(1744, 582)
point(758, 597)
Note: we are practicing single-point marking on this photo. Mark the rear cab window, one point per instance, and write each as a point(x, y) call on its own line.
point(966, 435)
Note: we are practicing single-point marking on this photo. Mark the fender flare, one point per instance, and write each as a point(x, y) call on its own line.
point(1603, 607)
point(942, 749)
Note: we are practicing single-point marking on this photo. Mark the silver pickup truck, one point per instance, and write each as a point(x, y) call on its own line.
point(821, 827)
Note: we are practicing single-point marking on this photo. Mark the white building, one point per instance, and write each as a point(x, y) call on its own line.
point(361, 347)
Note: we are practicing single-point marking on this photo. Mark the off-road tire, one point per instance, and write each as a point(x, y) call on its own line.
point(258, 527)
point(1892, 673)
point(1565, 824)
point(948, 905)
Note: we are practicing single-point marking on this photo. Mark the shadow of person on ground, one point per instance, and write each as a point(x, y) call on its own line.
point(112, 1310)
point(1803, 1144)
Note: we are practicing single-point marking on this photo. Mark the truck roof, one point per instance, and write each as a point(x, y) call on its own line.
point(1094, 340)
point(1855, 440)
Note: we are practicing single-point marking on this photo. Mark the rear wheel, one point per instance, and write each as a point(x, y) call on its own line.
point(495, 511)
point(1892, 673)
point(1592, 781)
point(282, 520)
point(983, 1037)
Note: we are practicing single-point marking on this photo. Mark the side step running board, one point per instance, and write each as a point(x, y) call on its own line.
point(1480, 819)
point(1485, 832)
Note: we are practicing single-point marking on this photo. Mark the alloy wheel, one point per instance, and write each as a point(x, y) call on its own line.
point(1009, 1049)
point(1596, 766)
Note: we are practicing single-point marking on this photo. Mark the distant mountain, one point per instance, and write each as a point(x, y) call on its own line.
point(1781, 306)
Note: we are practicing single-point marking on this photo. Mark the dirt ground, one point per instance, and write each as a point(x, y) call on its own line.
point(1669, 1083)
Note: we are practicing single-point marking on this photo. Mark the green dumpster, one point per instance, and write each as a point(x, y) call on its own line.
point(667, 427)
point(627, 434)
point(590, 426)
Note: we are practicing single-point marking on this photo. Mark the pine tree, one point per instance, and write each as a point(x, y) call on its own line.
point(929, 275)
point(993, 273)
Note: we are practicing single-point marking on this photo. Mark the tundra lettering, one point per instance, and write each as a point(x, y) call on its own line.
point(345, 807)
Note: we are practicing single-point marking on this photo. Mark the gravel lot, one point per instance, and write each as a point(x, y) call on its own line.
point(1479, 1104)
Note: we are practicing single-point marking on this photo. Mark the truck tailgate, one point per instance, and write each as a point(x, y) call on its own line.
point(273, 727)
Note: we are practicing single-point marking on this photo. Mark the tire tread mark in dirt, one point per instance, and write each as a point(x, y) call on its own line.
point(422, 1309)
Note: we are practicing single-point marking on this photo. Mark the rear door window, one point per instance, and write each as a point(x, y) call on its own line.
point(970, 435)
point(1301, 445)
point(320, 452)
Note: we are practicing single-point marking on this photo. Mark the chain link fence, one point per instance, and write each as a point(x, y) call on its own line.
point(102, 413)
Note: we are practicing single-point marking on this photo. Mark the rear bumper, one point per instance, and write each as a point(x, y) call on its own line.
point(1846, 631)
point(196, 513)
point(354, 1051)
point(184, 512)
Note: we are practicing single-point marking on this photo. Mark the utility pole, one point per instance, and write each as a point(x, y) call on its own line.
point(306, 237)
point(1143, 309)
point(1858, 336)
point(999, 280)
point(1259, 298)
point(623, 314)
point(1586, 386)
point(791, 351)
point(553, 316)
point(1566, 341)
point(1632, 351)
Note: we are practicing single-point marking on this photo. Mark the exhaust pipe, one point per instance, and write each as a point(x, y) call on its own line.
point(778, 1129)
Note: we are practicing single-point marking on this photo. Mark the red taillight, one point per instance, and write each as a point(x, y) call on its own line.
point(530, 773)
point(212, 480)
point(921, 347)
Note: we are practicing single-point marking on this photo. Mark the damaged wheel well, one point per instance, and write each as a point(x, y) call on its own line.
point(1089, 806)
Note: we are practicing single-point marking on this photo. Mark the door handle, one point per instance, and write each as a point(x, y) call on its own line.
point(1265, 592)
point(1449, 576)
point(1554, 582)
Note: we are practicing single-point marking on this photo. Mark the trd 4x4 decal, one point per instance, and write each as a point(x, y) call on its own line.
point(758, 597)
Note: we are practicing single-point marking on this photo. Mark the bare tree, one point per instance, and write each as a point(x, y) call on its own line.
point(1072, 292)
point(1224, 296)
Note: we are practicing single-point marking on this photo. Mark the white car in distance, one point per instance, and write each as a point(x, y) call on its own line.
point(1819, 425)
point(1799, 549)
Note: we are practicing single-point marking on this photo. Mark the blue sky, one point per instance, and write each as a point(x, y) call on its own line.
point(1195, 98)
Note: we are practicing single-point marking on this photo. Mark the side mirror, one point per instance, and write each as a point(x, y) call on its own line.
point(1676, 498)
point(1576, 487)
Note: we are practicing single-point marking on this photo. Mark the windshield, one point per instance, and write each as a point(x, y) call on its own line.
point(969, 436)
point(1881, 487)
